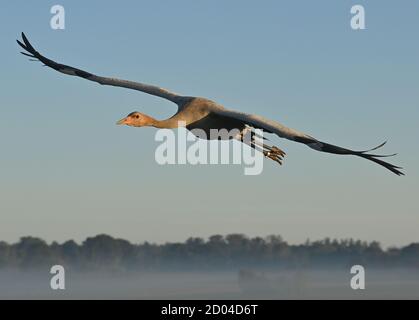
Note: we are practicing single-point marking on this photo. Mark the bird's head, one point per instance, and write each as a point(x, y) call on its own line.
point(137, 119)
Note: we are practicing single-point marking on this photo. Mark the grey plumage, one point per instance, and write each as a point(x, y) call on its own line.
point(201, 113)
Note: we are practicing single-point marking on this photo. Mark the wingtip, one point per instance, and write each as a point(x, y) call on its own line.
point(381, 145)
point(27, 43)
point(27, 54)
point(397, 170)
point(24, 37)
point(375, 148)
point(21, 44)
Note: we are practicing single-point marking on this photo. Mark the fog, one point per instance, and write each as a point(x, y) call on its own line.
point(232, 284)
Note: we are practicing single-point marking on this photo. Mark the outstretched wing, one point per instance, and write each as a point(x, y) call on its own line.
point(294, 135)
point(150, 89)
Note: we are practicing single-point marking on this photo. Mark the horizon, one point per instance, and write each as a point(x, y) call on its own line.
point(206, 239)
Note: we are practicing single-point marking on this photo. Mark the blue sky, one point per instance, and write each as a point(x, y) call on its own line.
point(67, 171)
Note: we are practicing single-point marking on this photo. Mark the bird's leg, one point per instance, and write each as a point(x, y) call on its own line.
point(274, 151)
point(271, 152)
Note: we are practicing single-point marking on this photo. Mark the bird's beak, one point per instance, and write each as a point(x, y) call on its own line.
point(122, 121)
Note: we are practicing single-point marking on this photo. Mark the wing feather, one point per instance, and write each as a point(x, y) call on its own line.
point(150, 89)
point(294, 135)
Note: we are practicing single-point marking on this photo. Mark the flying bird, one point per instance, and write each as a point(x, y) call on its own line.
point(205, 114)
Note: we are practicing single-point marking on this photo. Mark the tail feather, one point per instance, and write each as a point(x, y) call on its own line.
point(325, 147)
point(389, 166)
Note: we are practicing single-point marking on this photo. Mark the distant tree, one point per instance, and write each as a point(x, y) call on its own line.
point(274, 239)
point(71, 252)
point(33, 252)
point(237, 240)
point(103, 251)
point(233, 250)
point(218, 250)
point(216, 239)
point(410, 254)
point(6, 259)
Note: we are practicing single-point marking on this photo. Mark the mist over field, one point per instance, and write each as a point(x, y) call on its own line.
point(245, 284)
point(233, 266)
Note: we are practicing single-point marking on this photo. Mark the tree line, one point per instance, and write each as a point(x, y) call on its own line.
point(103, 252)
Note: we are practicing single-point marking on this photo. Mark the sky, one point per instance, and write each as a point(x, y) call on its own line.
point(68, 172)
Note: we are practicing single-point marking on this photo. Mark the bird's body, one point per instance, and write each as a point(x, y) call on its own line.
point(199, 113)
point(196, 113)
point(191, 111)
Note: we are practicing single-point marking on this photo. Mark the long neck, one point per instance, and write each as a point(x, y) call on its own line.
point(165, 124)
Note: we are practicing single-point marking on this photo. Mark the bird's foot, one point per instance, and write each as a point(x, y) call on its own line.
point(275, 154)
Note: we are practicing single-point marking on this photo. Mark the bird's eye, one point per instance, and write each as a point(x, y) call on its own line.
point(137, 116)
